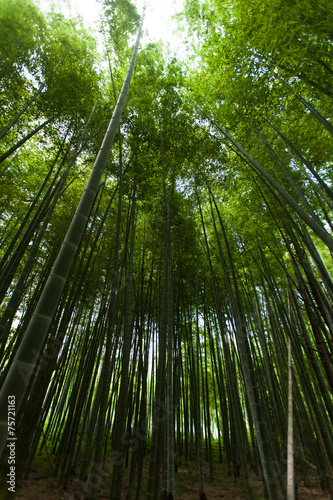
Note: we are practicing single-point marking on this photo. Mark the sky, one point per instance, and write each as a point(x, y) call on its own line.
point(157, 19)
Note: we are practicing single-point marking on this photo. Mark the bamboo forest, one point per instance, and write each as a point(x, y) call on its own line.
point(166, 242)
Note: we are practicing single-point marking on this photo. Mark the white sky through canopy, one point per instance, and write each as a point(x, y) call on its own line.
point(158, 22)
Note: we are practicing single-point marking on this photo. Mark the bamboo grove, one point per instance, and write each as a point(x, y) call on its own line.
point(166, 292)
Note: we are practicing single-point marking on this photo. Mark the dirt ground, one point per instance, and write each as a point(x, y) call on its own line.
point(43, 485)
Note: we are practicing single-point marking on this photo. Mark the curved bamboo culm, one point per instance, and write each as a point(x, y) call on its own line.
point(25, 360)
point(315, 113)
point(25, 139)
point(306, 162)
point(289, 177)
point(21, 112)
point(319, 231)
point(24, 108)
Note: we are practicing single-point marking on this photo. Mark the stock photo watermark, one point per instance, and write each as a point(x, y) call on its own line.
point(11, 445)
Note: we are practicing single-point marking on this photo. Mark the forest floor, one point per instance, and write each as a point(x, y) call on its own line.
point(43, 485)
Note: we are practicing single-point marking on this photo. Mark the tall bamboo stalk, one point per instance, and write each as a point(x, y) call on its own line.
point(25, 360)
